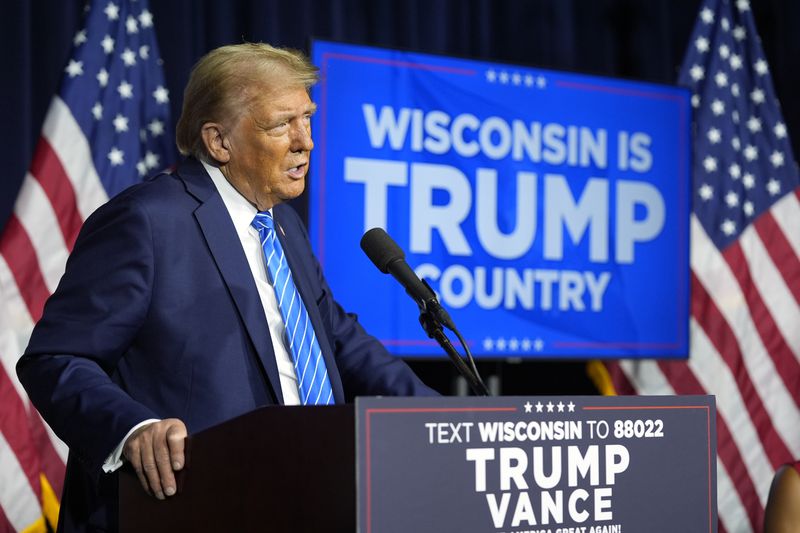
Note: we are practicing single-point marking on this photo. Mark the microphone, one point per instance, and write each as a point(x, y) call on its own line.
point(390, 259)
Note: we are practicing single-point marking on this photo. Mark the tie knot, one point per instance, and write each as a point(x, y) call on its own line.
point(263, 221)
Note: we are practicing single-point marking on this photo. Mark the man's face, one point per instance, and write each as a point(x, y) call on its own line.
point(270, 146)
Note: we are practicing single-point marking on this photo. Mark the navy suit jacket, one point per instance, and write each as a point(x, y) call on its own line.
point(158, 316)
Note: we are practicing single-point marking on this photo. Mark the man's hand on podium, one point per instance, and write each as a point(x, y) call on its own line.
point(155, 451)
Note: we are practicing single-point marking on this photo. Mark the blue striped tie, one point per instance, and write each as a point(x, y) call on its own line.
point(312, 374)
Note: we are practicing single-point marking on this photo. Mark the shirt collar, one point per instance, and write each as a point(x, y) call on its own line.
point(242, 212)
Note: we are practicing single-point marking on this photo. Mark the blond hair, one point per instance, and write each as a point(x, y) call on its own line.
point(224, 81)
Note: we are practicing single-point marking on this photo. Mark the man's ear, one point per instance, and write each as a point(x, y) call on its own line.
point(217, 145)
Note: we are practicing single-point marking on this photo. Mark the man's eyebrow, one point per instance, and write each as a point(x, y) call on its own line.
point(309, 110)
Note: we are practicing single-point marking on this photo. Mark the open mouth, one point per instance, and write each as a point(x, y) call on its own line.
point(298, 172)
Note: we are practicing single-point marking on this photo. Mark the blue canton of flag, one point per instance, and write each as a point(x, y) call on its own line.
point(115, 89)
point(743, 159)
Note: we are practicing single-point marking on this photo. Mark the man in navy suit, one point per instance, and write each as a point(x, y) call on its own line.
point(166, 322)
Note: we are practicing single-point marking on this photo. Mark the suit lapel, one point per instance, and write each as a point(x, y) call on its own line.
point(223, 242)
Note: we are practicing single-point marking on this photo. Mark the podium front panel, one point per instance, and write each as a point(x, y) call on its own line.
point(543, 464)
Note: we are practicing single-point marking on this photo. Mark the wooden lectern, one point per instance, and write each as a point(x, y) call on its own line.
point(277, 469)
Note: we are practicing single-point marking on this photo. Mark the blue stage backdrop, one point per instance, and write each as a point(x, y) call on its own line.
point(548, 210)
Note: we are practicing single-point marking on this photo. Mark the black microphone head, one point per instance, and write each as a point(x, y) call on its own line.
point(381, 249)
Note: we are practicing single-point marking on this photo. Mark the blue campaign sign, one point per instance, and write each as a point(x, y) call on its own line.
point(548, 210)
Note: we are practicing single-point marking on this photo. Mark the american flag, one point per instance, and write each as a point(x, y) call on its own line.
point(745, 262)
point(105, 130)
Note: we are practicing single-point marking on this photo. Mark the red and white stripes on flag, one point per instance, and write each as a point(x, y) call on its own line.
point(745, 263)
point(113, 94)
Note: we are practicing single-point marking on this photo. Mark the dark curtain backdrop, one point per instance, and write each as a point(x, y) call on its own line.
point(641, 39)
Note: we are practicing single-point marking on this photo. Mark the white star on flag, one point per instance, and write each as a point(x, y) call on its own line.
point(108, 44)
point(151, 160)
point(728, 227)
point(773, 186)
point(757, 96)
point(714, 135)
point(146, 19)
point(732, 199)
point(97, 111)
point(125, 90)
point(717, 107)
point(128, 57)
point(761, 67)
point(102, 77)
point(754, 124)
point(80, 38)
point(706, 191)
point(751, 152)
point(749, 181)
point(156, 127)
point(702, 44)
point(120, 123)
point(112, 11)
point(74, 68)
point(776, 158)
point(739, 33)
point(116, 156)
point(710, 164)
point(131, 26)
point(780, 130)
point(748, 208)
point(735, 171)
point(161, 94)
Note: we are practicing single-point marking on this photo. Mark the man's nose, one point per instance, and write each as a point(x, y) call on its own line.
point(301, 138)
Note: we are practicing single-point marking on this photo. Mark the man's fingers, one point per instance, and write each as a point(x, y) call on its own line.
point(155, 450)
point(134, 455)
point(149, 466)
point(161, 454)
point(176, 434)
